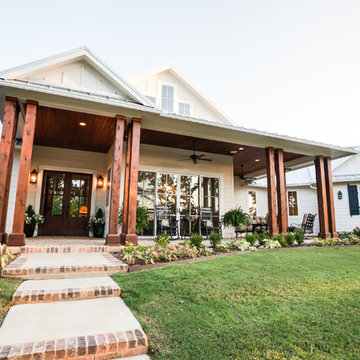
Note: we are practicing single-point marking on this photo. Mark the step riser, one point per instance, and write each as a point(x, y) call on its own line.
point(35, 296)
point(63, 249)
point(100, 346)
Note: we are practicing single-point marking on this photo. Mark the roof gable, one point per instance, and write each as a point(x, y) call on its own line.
point(186, 89)
point(76, 69)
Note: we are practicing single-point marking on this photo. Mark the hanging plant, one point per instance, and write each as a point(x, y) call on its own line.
point(142, 218)
point(236, 217)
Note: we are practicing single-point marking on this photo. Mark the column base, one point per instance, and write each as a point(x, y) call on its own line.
point(3, 238)
point(129, 238)
point(324, 235)
point(112, 240)
point(335, 235)
point(16, 239)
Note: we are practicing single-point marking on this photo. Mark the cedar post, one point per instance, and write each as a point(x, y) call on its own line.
point(7, 146)
point(17, 237)
point(131, 235)
point(271, 190)
point(113, 238)
point(281, 190)
point(124, 227)
point(322, 197)
point(330, 197)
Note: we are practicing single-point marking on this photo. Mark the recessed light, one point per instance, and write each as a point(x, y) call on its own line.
point(233, 152)
point(241, 148)
point(257, 160)
point(82, 123)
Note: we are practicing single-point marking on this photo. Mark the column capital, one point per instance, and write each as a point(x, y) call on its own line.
point(10, 98)
point(32, 102)
point(135, 119)
point(120, 117)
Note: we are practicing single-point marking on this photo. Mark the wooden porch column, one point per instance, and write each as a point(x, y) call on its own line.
point(281, 190)
point(271, 190)
point(113, 238)
point(322, 197)
point(124, 227)
point(330, 197)
point(7, 146)
point(17, 237)
point(130, 234)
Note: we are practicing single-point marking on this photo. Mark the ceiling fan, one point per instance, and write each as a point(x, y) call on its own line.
point(195, 157)
point(244, 179)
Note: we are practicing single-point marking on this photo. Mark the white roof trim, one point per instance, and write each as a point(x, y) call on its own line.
point(172, 69)
point(80, 53)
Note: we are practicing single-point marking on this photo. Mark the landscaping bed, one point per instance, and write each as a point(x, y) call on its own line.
point(258, 305)
point(7, 289)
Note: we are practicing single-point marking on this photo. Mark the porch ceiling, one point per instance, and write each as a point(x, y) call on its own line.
point(60, 128)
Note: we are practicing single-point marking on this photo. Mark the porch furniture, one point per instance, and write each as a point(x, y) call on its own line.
point(165, 222)
point(307, 225)
point(207, 222)
point(260, 224)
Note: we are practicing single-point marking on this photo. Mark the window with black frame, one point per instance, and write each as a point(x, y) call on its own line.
point(146, 197)
point(210, 197)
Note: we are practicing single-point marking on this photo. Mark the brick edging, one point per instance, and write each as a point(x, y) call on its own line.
point(96, 346)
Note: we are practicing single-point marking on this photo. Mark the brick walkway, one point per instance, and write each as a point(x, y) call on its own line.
point(77, 318)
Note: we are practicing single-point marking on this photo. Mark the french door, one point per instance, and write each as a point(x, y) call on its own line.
point(65, 203)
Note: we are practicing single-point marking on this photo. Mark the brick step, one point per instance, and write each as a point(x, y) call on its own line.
point(64, 265)
point(86, 329)
point(33, 291)
point(59, 249)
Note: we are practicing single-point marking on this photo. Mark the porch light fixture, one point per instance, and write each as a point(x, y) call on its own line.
point(33, 177)
point(241, 148)
point(82, 123)
point(100, 182)
point(257, 160)
point(339, 194)
point(233, 152)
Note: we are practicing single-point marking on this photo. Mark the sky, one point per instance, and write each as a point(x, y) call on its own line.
point(284, 66)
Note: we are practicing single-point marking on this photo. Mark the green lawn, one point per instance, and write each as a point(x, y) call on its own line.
point(285, 304)
point(7, 288)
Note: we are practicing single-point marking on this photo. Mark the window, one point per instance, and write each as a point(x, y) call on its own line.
point(184, 109)
point(167, 98)
point(152, 99)
point(293, 203)
point(252, 203)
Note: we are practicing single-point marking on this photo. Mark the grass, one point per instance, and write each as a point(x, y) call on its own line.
point(286, 304)
point(7, 288)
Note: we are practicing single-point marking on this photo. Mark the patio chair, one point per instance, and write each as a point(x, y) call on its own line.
point(207, 222)
point(307, 225)
point(165, 222)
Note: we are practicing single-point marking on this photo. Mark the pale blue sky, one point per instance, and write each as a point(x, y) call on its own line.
point(291, 67)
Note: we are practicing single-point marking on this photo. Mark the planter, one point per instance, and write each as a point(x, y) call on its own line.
point(29, 230)
point(98, 230)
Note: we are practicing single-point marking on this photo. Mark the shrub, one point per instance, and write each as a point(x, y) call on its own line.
point(299, 237)
point(251, 238)
point(326, 242)
point(225, 247)
point(356, 231)
point(244, 245)
point(196, 240)
point(236, 217)
point(162, 239)
point(281, 239)
point(215, 239)
point(5, 256)
point(262, 237)
point(290, 239)
point(271, 244)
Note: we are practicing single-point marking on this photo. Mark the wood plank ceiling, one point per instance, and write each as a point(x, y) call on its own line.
point(61, 128)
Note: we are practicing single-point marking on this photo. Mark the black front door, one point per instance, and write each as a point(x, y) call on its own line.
point(65, 203)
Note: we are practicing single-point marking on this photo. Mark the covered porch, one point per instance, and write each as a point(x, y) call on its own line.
point(143, 155)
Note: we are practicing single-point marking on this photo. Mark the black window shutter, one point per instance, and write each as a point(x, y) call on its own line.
point(353, 200)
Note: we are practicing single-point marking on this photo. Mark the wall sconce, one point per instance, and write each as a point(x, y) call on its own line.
point(339, 195)
point(100, 182)
point(33, 177)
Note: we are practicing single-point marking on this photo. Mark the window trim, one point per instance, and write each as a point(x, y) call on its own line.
point(291, 210)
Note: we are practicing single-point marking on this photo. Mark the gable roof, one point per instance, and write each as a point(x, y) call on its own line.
point(170, 68)
point(21, 73)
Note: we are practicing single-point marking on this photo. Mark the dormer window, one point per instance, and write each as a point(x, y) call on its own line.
point(184, 109)
point(167, 98)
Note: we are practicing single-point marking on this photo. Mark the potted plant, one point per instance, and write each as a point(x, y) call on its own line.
point(236, 217)
point(142, 218)
point(96, 224)
point(31, 221)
